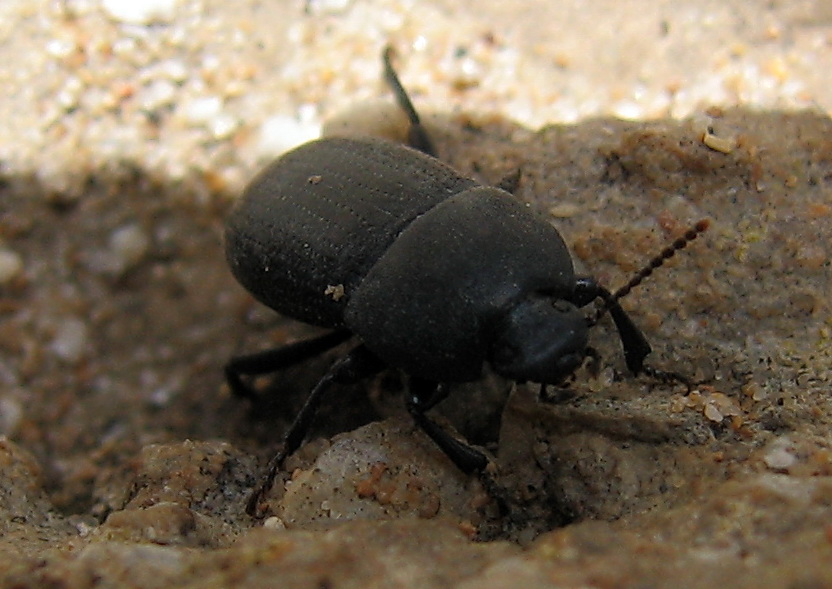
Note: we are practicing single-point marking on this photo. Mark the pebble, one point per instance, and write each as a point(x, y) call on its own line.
point(11, 412)
point(128, 244)
point(157, 94)
point(11, 265)
point(202, 110)
point(780, 454)
point(274, 523)
point(281, 133)
point(320, 7)
point(70, 340)
point(140, 12)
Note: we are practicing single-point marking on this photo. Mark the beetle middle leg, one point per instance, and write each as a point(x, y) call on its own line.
point(423, 396)
point(269, 361)
point(355, 366)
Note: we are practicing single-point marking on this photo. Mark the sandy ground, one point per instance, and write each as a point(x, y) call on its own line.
point(127, 131)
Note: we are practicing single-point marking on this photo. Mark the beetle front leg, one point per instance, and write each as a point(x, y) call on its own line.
point(636, 347)
point(355, 366)
point(423, 396)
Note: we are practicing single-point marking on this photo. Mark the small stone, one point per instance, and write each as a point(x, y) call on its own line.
point(157, 94)
point(11, 265)
point(202, 110)
point(70, 339)
point(129, 244)
point(335, 292)
point(780, 456)
point(281, 133)
point(713, 413)
point(11, 412)
point(274, 523)
point(564, 210)
point(222, 126)
point(140, 12)
point(328, 6)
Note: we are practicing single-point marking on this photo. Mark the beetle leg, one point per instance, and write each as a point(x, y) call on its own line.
point(276, 359)
point(555, 395)
point(417, 136)
point(426, 394)
point(510, 182)
point(636, 347)
point(358, 364)
point(668, 377)
point(423, 396)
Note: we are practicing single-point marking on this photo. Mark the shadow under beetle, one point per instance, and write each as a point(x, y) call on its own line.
point(433, 273)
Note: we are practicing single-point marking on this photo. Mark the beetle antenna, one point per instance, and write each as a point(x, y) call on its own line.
point(640, 276)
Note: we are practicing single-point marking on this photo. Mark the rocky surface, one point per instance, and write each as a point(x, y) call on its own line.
point(126, 134)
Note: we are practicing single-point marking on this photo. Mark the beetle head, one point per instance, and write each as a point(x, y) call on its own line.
point(540, 340)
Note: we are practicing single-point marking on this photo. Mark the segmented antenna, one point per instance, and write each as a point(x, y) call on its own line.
point(667, 253)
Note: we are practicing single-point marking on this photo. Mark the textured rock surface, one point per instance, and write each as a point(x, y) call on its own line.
point(124, 138)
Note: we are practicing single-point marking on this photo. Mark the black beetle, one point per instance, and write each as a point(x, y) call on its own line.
point(434, 273)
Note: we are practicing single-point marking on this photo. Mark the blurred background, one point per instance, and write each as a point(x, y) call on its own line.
point(205, 90)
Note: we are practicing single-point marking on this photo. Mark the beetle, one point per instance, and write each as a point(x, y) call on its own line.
point(432, 272)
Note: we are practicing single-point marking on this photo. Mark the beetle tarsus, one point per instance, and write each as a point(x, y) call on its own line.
point(668, 377)
point(424, 395)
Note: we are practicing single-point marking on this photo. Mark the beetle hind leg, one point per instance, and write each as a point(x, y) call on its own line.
point(355, 366)
point(417, 136)
point(668, 377)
